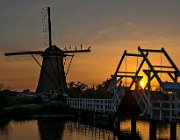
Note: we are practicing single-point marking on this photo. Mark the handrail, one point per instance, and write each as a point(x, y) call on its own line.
point(160, 105)
point(97, 105)
point(146, 106)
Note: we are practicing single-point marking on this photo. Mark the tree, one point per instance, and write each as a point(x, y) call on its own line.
point(1, 86)
point(26, 91)
point(81, 90)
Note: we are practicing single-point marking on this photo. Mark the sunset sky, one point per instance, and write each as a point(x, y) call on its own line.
point(108, 26)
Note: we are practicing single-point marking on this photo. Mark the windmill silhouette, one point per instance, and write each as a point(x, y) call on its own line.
point(52, 75)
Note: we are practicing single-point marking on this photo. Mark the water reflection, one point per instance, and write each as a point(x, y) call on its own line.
point(20, 130)
point(88, 132)
point(58, 129)
point(4, 128)
point(76, 129)
point(50, 129)
point(3, 125)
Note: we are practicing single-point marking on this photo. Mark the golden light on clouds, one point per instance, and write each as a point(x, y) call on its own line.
point(109, 28)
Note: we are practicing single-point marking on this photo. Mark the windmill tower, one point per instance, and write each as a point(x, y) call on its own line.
point(52, 74)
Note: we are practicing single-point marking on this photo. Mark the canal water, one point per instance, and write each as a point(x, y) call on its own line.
point(53, 129)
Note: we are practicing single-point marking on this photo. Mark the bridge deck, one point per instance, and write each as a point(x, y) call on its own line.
point(154, 106)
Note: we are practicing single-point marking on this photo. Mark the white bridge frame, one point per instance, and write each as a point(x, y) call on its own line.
point(108, 106)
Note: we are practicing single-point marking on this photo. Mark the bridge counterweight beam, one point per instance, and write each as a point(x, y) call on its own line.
point(170, 60)
point(150, 78)
point(151, 50)
point(162, 66)
point(136, 55)
point(122, 58)
point(117, 69)
point(137, 72)
point(173, 78)
point(151, 67)
point(127, 72)
point(148, 85)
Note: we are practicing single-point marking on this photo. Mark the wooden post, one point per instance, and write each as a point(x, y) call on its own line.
point(173, 131)
point(160, 111)
point(152, 130)
point(170, 109)
point(133, 126)
point(111, 120)
point(117, 124)
point(94, 118)
point(79, 115)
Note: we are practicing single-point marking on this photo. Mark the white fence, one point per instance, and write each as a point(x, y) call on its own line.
point(96, 105)
point(160, 109)
point(143, 102)
point(165, 110)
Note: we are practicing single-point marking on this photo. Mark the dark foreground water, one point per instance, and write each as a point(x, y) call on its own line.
point(53, 129)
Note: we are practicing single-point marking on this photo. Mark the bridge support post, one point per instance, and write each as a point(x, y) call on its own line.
point(173, 131)
point(111, 120)
point(152, 130)
point(79, 115)
point(133, 126)
point(94, 118)
point(117, 124)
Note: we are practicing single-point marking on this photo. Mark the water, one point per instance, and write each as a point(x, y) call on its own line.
point(53, 129)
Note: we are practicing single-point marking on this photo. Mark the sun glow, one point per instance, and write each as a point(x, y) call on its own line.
point(142, 84)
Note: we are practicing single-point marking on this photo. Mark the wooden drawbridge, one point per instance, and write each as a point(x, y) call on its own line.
point(133, 100)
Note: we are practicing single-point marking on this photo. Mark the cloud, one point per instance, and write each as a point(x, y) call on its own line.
point(108, 26)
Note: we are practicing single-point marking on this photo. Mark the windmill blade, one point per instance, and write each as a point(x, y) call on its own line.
point(23, 53)
point(77, 50)
point(55, 55)
point(14, 58)
point(21, 56)
point(68, 55)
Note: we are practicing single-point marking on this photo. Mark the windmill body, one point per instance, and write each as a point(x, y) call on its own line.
point(52, 74)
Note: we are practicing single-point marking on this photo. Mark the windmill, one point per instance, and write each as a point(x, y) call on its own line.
point(52, 74)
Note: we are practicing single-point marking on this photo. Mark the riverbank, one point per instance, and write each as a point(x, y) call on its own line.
point(27, 111)
point(54, 109)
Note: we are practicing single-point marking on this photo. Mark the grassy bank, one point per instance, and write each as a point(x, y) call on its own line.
point(49, 110)
point(26, 111)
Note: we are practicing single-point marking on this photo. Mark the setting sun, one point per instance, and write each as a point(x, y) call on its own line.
point(142, 84)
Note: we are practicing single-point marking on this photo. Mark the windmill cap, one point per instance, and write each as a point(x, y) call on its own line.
point(53, 51)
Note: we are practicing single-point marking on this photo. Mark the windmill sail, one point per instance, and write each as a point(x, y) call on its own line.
point(52, 75)
point(23, 53)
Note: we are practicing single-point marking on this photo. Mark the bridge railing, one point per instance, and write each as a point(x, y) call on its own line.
point(96, 105)
point(163, 110)
point(143, 101)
